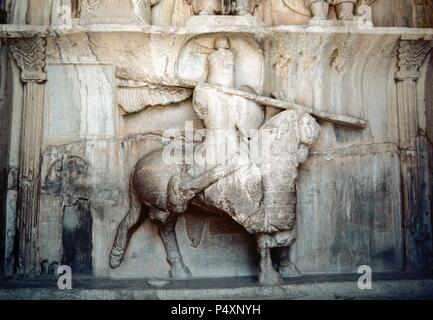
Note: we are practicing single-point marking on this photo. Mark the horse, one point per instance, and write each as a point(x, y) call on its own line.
point(257, 193)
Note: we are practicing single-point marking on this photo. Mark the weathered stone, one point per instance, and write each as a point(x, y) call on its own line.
point(207, 113)
point(115, 11)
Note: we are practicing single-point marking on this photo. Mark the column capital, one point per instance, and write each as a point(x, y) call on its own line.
point(411, 56)
point(30, 56)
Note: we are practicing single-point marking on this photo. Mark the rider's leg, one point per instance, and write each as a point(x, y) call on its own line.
point(242, 8)
point(319, 9)
point(167, 232)
point(182, 188)
point(345, 10)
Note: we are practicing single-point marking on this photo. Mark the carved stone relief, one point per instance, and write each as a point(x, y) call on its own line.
point(30, 57)
point(179, 12)
point(401, 13)
point(66, 179)
point(255, 188)
point(272, 147)
point(192, 63)
point(115, 11)
point(358, 11)
point(224, 7)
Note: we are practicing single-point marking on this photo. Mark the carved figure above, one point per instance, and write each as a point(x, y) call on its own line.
point(345, 10)
point(245, 7)
point(116, 11)
point(298, 6)
point(320, 8)
point(224, 7)
point(283, 12)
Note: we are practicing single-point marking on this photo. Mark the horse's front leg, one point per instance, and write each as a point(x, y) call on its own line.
point(167, 232)
point(287, 267)
point(268, 276)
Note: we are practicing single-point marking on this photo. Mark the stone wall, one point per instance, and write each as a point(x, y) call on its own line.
point(403, 13)
point(348, 215)
point(350, 203)
point(4, 150)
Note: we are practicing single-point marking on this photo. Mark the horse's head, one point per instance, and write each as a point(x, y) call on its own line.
point(288, 135)
point(308, 133)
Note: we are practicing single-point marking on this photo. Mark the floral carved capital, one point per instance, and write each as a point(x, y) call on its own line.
point(30, 57)
point(411, 56)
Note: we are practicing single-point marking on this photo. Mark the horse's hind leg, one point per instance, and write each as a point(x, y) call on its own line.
point(178, 270)
point(268, 276)
point(133, 219)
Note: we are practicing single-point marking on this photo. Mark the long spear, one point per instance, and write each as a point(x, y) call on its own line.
point(339, 119)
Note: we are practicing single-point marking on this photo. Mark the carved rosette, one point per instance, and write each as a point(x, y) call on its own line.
point(30, 57)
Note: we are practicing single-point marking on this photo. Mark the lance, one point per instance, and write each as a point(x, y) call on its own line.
point(340, 119)
point(336, 118)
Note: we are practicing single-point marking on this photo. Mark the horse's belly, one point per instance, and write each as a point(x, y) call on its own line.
point(150, 179)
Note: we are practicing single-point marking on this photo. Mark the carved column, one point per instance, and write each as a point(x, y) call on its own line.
point(29, 54)
point(411, 56)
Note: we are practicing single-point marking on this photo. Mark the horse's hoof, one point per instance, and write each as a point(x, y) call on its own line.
point(115, 260)
point(289, 270)
point(180, 273)
point(270, 279)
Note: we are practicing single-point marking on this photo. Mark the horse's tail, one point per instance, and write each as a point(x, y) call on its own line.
point(134, 203)
point(133, 219)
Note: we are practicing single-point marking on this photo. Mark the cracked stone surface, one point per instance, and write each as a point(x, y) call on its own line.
point(114, 77)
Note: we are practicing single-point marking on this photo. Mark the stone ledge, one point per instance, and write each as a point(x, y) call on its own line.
point(25, 31)
point(22, 31)
point(303, 288)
